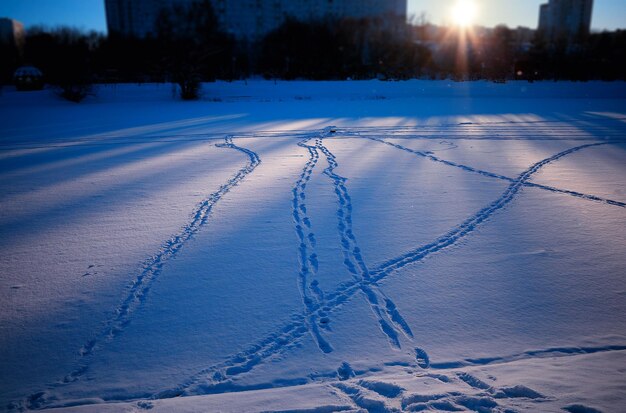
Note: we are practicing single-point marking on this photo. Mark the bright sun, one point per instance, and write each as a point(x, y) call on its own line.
point(464, 12)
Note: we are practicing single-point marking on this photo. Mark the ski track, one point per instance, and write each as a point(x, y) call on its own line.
point(152, 268)
point(218, 378)
point(497, 176)
point(551, 131)
point(353, 259)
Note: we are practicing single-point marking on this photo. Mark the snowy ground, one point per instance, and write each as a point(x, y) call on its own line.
point(315, 247)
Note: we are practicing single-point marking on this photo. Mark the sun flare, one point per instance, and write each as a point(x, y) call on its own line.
point(464, 13)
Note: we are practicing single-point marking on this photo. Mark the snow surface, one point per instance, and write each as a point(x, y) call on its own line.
point(315, 247)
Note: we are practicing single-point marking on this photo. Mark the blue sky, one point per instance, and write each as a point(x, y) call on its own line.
point(89, 14)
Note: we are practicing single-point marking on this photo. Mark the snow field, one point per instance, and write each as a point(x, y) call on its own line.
point(324, 257)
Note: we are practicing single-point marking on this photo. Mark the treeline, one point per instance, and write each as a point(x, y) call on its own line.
point(502, 54)
point(188, 48)
point(355, 49)
point(601, 57)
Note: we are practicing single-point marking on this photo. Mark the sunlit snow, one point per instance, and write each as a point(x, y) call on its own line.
point(320, 247)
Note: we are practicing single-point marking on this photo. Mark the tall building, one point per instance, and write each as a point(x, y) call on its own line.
point(12, 33)
point(544, 17)
point(246, 19)
point(565, 20)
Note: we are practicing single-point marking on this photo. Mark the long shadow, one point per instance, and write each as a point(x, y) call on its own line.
point(102, 131)
point(218, 378)
point(88, 200)
point(309, 291)
point(353, 259)
point(553, 130)
point(99, 160)
point(470, 224)
point(152, 268)
point(467, 168)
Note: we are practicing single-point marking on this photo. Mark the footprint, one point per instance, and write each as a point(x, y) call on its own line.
point(145, 405)
point(579, 408)
point(345, 372)
point(422, 358)
point(473, 381)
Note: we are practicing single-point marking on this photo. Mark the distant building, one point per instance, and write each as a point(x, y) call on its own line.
point(523, 38)
point(565, 20)
point(12, 33)
point(246, 19)
point(544, 17)
point(135, 18)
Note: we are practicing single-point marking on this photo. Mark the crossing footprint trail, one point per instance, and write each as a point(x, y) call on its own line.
point(470, 224)
point(218, 378)
point(152, 268)
point(310, 291)
point(387, 316)
point(317, 305)
point(316, 312)
point(466, 168)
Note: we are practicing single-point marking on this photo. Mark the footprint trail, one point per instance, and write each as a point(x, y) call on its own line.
point(309, 290)
point(466, 168)
point(208, 380)
point(152, 268)
point(470, 224)
point(219, 377)
point(383, 307)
